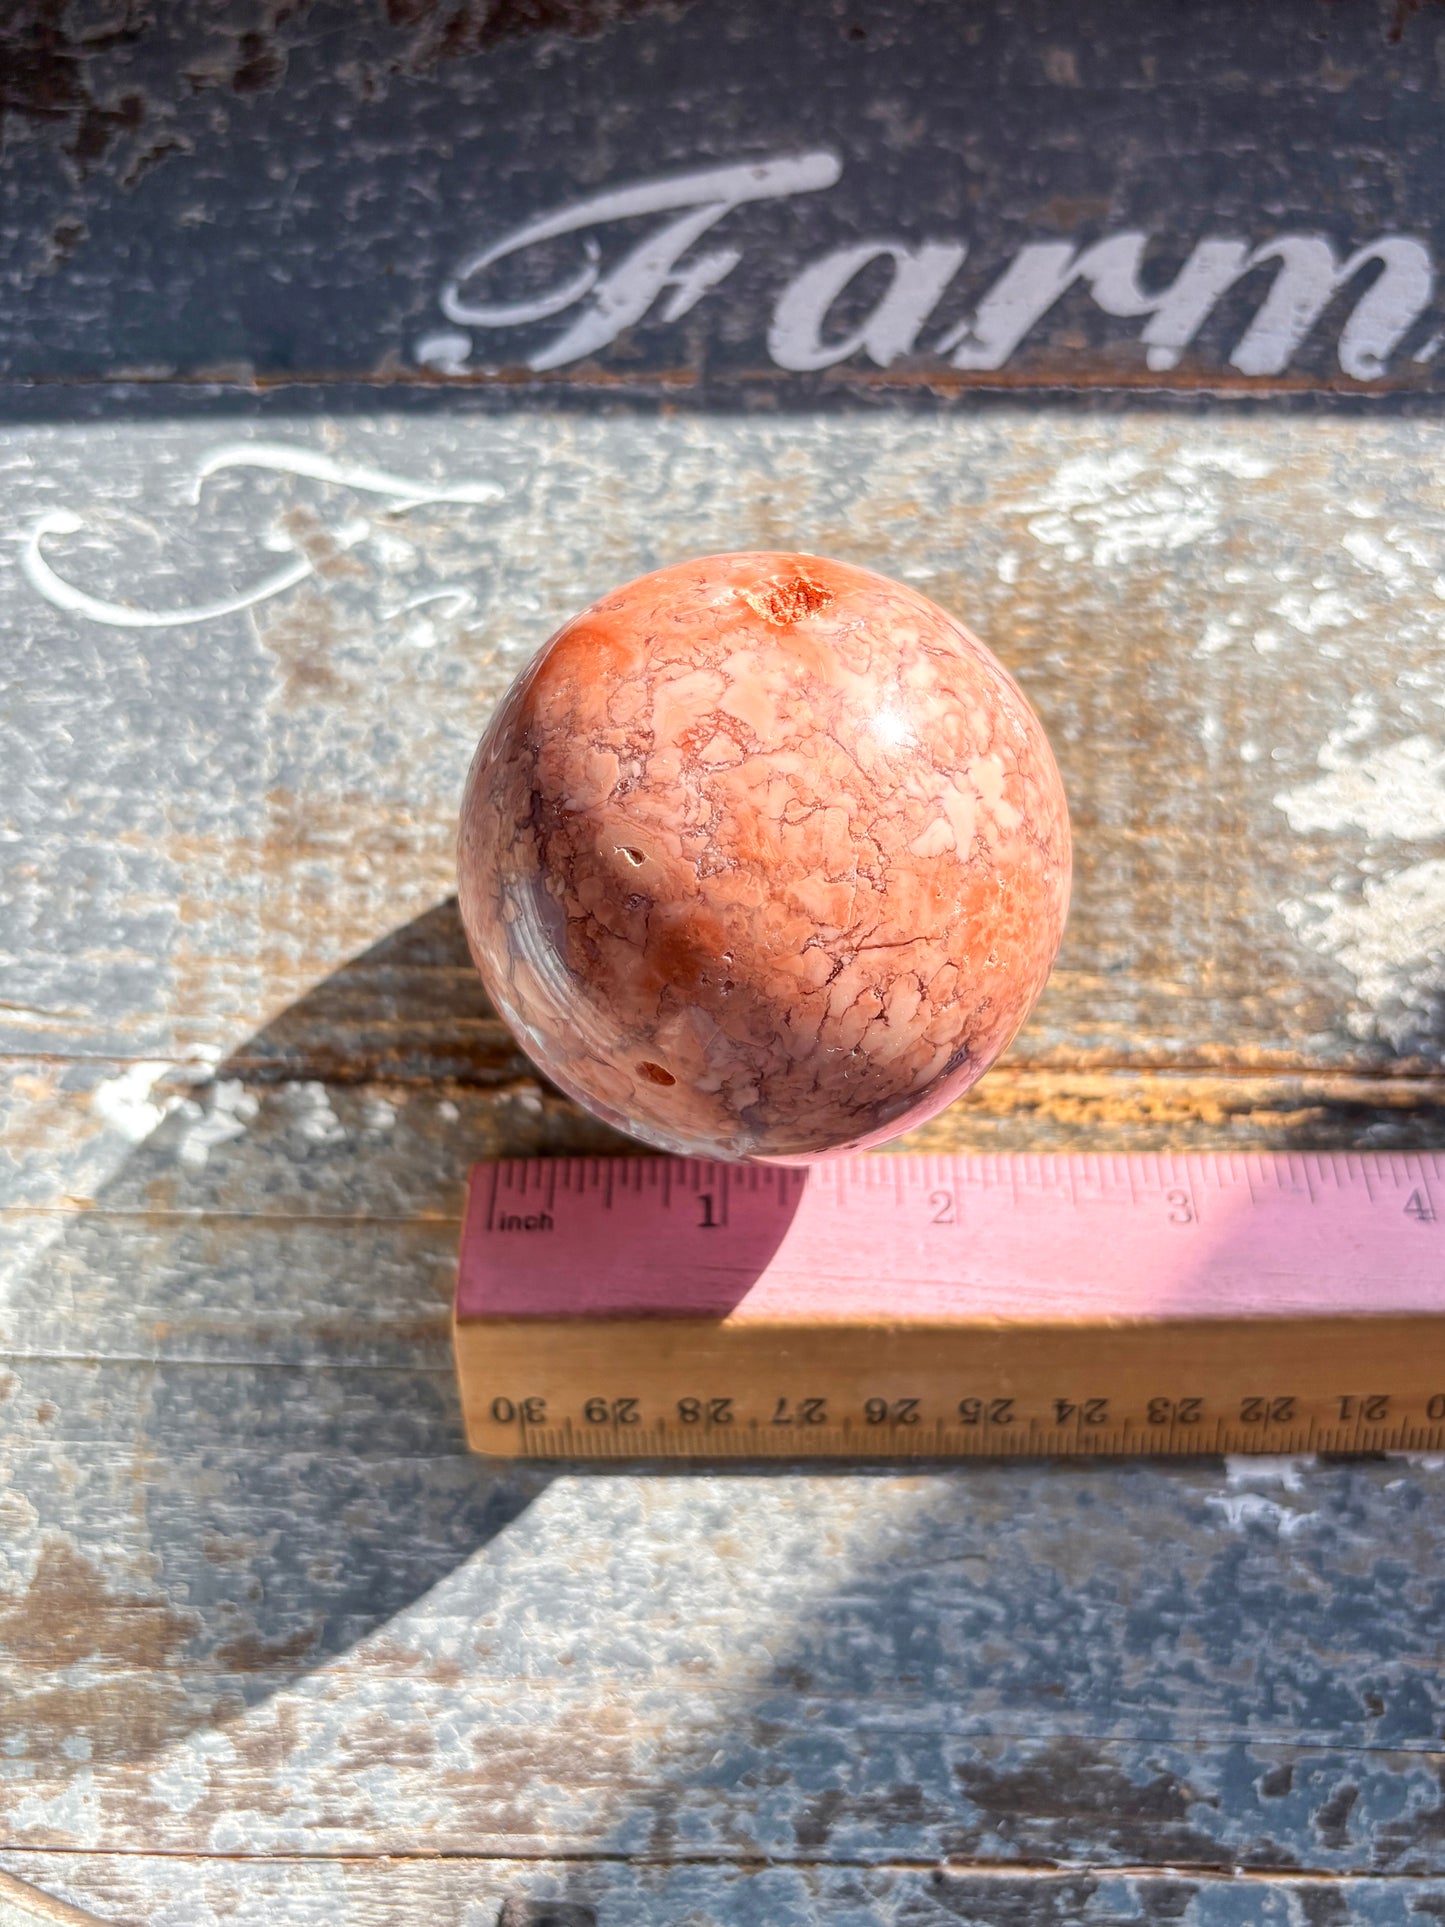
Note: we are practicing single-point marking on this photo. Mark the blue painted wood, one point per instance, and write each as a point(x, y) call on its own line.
point(314, 194)
point(478, 1893)
point(272, 1646)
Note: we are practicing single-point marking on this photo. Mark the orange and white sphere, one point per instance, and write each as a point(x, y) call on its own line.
point(764, 856)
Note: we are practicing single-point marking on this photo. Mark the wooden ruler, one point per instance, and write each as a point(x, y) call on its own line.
point(953, 1307)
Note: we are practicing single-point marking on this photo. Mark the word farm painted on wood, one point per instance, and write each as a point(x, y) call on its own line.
point(1388, 283)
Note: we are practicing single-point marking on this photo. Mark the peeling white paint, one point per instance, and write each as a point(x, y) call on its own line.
point(1387, 932)
point(74, 1814)
point(1283, 1469)
point(1252, 1508)
point(181, 1785)
point(1105, 510)
point(1391, 939)
point(1243, 1505)
point(125, 1102)
point(1218, 634)
point(312, 1121)
point(229, 1109)
point(1378, 557)
point(1327, 609)
point(378, 1118)
point(1397, 790)
point(1108, 509)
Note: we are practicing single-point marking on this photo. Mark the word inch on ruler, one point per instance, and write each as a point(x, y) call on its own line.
point(950, 1307)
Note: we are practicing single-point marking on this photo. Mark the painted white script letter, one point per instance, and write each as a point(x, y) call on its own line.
point(623, 296)
point(1041, 272)
point(1310, 276)
point(920, 276)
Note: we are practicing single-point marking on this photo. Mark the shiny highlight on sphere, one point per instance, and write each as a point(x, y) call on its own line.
point(764, 856)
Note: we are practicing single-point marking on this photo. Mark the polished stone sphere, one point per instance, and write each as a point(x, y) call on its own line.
point(764, 856)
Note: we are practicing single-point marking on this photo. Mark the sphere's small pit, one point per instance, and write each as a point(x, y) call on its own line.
point(786, 600)
point(655, 1074)
point(635, 857)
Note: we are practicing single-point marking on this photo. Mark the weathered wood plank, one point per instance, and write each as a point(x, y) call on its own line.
point(174, 213)
point(254, 1597)
point(270, 1610)
point(469, 1892)
point(1229, 628)
point(279, 1221)
point(223, 1290)
point(116, 1139)
point(22, 1905)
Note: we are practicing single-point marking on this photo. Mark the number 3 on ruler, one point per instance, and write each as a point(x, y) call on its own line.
point(1181, 1207)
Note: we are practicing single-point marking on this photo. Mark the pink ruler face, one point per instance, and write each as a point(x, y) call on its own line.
point(1012, 1239)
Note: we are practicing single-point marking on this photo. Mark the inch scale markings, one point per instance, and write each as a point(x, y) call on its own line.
point(953, 1307)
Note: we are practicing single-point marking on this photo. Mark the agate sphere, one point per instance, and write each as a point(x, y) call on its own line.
point(764, 857)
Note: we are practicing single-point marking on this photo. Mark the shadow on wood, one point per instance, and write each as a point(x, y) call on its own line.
point(276, 1603)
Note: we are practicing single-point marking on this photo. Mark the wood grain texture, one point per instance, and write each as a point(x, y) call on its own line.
point(1229, 629)
point(488, 1893)
point(176, 217)
point(257, 1600)
point(280, 1609)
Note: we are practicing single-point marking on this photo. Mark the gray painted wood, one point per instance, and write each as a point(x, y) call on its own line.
point(279, 1609)
point(1230, 628)
point(258, 1601)
point(289, 191)
point(272, 1645)
point(488, 1893)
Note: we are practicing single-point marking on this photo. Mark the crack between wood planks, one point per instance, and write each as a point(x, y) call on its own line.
point(943, 379)
point(202, 1214)
point(151, 1361)
point(999, 1870)
point(301, 1070)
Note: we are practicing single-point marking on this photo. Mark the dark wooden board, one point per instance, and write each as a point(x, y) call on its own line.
point(306, 192)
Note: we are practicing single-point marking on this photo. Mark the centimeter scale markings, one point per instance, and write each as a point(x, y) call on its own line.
point(941, 1307)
